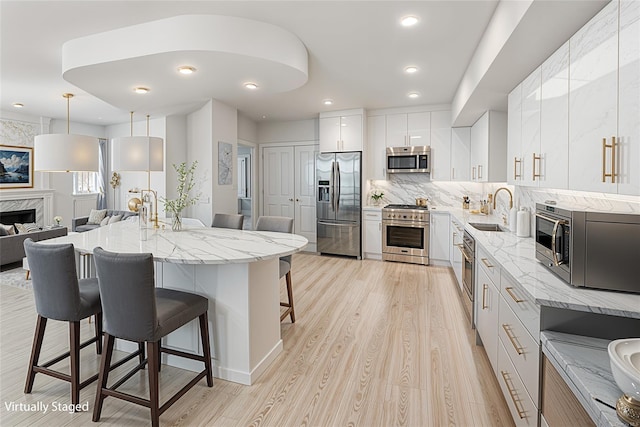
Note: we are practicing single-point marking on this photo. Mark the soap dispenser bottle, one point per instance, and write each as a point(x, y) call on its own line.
point(513, 219)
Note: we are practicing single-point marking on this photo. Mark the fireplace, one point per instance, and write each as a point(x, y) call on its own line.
point(20, 217)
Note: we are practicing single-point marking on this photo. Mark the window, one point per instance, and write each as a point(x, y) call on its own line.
point(85, 183)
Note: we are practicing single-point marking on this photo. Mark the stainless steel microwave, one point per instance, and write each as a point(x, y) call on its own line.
point(409, 159)
point(590, 249)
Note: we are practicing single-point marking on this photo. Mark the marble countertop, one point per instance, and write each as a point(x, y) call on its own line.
point(517, 257)
point(583, 363)
point(192, 245)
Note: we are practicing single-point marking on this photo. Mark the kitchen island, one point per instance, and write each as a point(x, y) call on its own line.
point(237, 270)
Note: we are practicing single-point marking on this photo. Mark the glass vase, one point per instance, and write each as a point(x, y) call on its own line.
point(176, 222)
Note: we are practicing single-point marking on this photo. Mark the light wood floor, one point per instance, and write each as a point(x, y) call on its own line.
point(375, 344)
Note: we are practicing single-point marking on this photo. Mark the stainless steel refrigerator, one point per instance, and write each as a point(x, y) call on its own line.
point(338, 178)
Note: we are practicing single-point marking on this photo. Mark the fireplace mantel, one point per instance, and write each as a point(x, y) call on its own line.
point(40, 199)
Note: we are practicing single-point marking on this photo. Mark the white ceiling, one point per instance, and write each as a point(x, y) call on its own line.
point(357, 51)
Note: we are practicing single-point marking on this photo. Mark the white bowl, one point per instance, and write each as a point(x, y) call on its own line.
point(625, 364)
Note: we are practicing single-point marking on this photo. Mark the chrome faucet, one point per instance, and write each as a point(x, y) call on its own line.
point(510, 197)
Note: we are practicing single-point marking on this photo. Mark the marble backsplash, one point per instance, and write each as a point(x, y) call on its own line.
point(405, 188)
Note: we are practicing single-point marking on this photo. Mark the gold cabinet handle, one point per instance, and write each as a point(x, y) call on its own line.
point(517, 161)
point(473, 172)
point(507, 330)
point(484, 294)
point(479, 171)
point(611, 175)
point(536, 175)
point(485, 261)
point(453, 173)
point(512, 295)
point(513, 395)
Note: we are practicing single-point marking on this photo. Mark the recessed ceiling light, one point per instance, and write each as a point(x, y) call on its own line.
point(328, 102)
point(264, 117)
point(186, 70)
point(141, 89)
point(409, 21)
point(17, 105)
point(251, 85)
point(411, 69)
point(413, 95)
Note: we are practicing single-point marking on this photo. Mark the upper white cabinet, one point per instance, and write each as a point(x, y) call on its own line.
point(604, 93)
point(376, 147)
point(538, 125)
point(514, 136)
point(554, 120)
point(530, 139)
point(628, 178)
point(460, 154)
point(489, 148)
point(408, 129)
point(341, 131)
point(441, 145)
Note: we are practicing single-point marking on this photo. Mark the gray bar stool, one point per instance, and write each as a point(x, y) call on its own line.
point(59, 295)
point(221, 220)
point(135, 310)
point(281, 224)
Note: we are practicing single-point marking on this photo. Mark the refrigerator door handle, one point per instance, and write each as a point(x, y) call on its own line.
point(337, 224)
point(338, 186)
point(332, 188)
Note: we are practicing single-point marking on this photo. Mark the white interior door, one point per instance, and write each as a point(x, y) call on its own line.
point(278, 179)
point(305, 200)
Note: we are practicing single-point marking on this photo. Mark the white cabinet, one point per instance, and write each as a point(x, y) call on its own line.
point(289, 186)
point(408, 129)
point(438, 236)
point(514, 136)
point(530, 137)
point(554, 120)
point(604, 102)
point(376, 148)
point(487, 302)
point(341, 131)
point(372, 233)
point(538, 125)
point(460, 154)
point(629, 99)
point(441, 146)
point(489, 148)
point(455, 256)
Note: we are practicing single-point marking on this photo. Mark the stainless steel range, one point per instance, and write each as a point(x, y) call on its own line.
point(405, 234)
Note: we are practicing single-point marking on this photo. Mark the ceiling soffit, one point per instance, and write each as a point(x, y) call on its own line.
point(227, 52)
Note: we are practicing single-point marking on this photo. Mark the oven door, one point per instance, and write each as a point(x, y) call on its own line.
point(405, 238)
point(467, 282)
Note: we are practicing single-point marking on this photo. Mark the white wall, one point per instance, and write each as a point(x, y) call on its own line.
point(289, 131)
point(199, 134)
point(225, 129)
point(175, 151)
point(247, 128)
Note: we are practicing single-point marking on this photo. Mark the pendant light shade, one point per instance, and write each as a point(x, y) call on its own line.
point(57, 152)
point(137, 153)
point(65, 153)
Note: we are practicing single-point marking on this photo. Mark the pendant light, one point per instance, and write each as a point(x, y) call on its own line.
point(65, 152)
point(139, 154)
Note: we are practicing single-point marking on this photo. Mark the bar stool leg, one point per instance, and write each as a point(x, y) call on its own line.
point(74, 345)
point(206, 347)
point(98, 329)
point(103, 375)
point(152, 352)
point(38, 336)
point(290, 296)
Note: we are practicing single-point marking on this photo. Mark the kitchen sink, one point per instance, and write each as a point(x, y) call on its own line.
point(486, 226)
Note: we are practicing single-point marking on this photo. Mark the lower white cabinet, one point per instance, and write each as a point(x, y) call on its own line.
point(508, 323)
point(523, 410)
point(487, 303)
point(438, 236)
point(372, 219)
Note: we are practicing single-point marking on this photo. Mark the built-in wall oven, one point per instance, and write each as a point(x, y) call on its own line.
point(468, 250)
point(590, 249)
point(405, 234)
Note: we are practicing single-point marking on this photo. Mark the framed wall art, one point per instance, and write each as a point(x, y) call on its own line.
point(16, 167)
point(225, 163)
